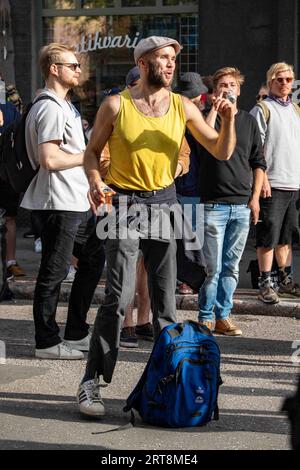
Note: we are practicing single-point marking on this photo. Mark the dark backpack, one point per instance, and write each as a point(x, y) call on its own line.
point(15, 166)
point(179, 386)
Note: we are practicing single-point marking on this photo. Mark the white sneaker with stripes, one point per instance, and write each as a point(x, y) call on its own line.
point(89, 399)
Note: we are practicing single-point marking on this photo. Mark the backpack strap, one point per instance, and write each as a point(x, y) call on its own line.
point(39, 98)
point(176, 331)
point(45, 97)
point(128, 425)
point(266, 112)
point(179, 327)
point(42, 98)
point(297, 108)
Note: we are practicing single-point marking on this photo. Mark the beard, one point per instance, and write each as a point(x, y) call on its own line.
point(155, 78)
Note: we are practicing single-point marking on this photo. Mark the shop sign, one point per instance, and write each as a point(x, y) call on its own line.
point(93, 42)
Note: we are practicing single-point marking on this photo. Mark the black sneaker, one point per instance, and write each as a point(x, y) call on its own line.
point(128, 337)
point(290, 289)
point(144, 331)
point(268, 295)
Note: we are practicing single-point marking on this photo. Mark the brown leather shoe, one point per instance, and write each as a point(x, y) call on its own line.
point(15, 270)
point(184, 289)
point(207, 323)
point(144, 331)
point(227, 327)
point(128, 338)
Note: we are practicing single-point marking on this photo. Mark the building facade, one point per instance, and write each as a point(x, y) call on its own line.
point(249, 34)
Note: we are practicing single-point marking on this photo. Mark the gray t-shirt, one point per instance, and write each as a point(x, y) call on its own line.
point(55, 190)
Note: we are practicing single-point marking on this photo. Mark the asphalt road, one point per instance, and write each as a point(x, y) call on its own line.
point(37, 397)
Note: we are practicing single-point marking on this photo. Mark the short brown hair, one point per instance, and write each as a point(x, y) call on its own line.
point(275, 69)
point(228, 71)
point(50, 54)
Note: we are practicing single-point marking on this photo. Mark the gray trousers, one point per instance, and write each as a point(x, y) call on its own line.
point(121, 256)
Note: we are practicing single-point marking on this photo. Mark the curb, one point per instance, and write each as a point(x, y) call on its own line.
point(245, 300)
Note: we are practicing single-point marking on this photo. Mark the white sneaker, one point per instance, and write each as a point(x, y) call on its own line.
point(89, 399)
point(38, 245)
point(59, 351)
point(81, 344)
point(71, 275)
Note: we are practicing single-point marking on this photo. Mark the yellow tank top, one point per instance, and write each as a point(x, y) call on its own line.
point(144, 150)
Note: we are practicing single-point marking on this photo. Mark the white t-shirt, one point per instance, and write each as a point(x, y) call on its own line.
point(64, 190)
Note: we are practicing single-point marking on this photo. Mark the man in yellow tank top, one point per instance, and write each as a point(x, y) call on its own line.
point(144, 128)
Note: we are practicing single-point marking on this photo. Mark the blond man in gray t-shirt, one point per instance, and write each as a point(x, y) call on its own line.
point(57, 194)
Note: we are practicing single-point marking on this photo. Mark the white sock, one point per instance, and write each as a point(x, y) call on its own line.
point(11, 262)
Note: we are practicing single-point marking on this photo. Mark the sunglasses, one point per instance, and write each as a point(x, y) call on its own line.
point(261, 97)
point(69, 65)
point(281, 79)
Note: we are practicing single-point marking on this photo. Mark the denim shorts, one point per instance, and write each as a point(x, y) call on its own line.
point(279, 219)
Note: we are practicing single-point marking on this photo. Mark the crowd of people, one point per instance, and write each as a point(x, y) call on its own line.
point(151, 148)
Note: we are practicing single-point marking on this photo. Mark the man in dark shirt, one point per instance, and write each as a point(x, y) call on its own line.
point(225, 190)
point(9, 199)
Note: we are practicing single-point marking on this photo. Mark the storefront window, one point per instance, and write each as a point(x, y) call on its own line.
point(59, 4)
point(98, 3)
point(105, 46)
point(68, 4)
point(179, 2)
point(138, 3)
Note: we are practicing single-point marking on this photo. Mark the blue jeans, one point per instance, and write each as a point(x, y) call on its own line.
point(226, 230)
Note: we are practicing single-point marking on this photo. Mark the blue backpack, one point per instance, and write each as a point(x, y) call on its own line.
point(179, 386)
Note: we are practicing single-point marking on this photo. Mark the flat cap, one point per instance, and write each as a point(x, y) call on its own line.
point(152, 43)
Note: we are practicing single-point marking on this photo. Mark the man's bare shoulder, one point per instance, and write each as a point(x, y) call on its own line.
point(111, 106)
point(190, 108)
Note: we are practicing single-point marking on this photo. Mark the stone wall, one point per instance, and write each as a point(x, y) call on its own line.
point(22, 34)
point(248, 34)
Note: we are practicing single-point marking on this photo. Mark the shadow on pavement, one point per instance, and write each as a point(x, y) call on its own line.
point(286, 377)
point(64, 408)
point(23, 445)
point(59, 408)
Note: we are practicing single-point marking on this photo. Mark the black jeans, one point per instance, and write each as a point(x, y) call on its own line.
point(121, 256)
point(59, 229)
point(91, 260)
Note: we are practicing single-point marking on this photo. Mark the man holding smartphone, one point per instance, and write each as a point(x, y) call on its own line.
point(225, 189)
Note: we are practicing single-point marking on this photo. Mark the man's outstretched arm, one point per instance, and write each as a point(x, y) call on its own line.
point(221, 145)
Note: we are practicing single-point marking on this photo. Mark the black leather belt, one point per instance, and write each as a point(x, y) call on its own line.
point(130, 192)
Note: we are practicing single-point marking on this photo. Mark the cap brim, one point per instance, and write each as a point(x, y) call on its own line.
point(178, 47)
point(192, 92)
